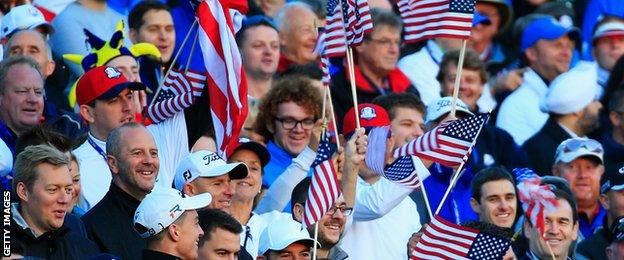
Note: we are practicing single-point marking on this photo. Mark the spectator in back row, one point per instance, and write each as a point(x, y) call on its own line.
point(573, 111)
point(297, 26)
point(546, 48)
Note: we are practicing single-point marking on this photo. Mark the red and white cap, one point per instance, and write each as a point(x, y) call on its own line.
point(103, 83)
point(371, 115)
point(24, 17)
point(610, 29)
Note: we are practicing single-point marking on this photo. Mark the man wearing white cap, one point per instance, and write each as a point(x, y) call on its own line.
point(572, 106)
point(547, 48)
point(169, 223)
point(607, 45)
point(285, 238)
point(24, 17)
point(579, 161)
point(204, 171)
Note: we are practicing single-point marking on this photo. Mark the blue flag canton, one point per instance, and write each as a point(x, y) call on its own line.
point(523, 174)
point(488, 247)
point(324, 151)
point(400, 169)
point(466, 129)
point(164, 94)
point(462, 6)
point(331, 6)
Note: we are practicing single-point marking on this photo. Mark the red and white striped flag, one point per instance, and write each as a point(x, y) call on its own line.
point(177, 93)
point(535, 200)
point(324, 187)
point(448, 144)
point(446, 240)
point(358, 21)
point(425, 19)
point(225, 78)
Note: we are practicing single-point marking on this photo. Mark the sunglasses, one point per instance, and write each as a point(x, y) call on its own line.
point(574, 145)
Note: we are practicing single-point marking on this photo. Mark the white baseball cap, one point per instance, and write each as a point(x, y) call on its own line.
point(572, 91)
point(576, 147)
point(205, 163)
point(163, 206)
point(24, 17)
point(442, 106)
point(280, 233)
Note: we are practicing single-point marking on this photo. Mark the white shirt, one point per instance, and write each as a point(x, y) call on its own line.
point(172, 144)
point(384, 218)
point(422, 68)
point(6, 159)
point(95, 176)
point(520, 113)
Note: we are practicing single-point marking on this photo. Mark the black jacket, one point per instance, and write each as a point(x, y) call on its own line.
point(593, 247)
point(157, 255)
point(110, 225)
point(542, 146)
point(62, 243)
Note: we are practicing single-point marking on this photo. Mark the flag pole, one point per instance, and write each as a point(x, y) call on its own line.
point(350, 66)
point(331, 108)
point(460, 65)
point(426, 198)
point(175, 58)
point(188, 61)
point(459, 171)
point(314, 253)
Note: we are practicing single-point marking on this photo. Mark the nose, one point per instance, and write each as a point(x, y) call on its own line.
point(229, 189)
point(64, 198)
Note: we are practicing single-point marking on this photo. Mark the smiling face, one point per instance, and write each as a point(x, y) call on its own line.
point(222, 244)
point(584, 175)
point(497, 204)
point(21, 98)
point(407, 125)
point(298, 37)
point(607, 50)
point(470, 86)
point(219, 187)
point(293, 141)
point(190, 232)
point(550, 58)
point(45, 204)
point(331, 226)
point(135, 169)
point(247, 188)
point(107, 115)
point(157, 29)
point(379, 54)
point(560, 232)
point(75, 174)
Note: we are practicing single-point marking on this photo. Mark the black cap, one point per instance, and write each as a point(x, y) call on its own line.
point(613, 178)
point(260, 150)
point(616, 234)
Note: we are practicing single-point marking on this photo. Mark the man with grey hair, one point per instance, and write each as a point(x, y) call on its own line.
point(133, 161)
point(297, 25)
point(21, 102)
point(44, 187)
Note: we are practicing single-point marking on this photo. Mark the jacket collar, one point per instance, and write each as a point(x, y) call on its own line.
point(156, 255)
point(124, 200)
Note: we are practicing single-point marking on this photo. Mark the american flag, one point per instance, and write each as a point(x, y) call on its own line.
point(225, 78)
point(535, 200)
point(324, 187)
point(333, 38)
point(425, 19)
point(403, 172)
point(178, 92)
point(448, 144)
point(358, 21)
point(446, 240)
point(523, 174)
point(324, 64)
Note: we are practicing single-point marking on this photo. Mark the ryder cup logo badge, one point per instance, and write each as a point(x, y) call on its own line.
point(112, 72)
point(368, 113)
point(621, 170)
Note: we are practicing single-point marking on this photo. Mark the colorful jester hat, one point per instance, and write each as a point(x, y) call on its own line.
point(102, 52)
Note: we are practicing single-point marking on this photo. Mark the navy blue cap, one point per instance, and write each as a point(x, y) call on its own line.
point(480, 19)
point(258, 20)
point(546, 28)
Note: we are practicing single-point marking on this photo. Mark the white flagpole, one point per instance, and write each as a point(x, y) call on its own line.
point(460, 66)
point(353, 87)
point(314, 255)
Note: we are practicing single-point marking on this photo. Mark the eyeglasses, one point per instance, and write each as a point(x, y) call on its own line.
point(290, 123)
point(343, 209)
point(589, 144)
point(386, 42)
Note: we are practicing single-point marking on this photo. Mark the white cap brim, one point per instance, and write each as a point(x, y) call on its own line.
point(286, 243)
point(196, 202)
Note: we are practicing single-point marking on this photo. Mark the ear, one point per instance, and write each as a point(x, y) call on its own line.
point(614, 118)
point(298, 211)
point(188, 189)
point(133, 34)
point(555, 170)
point(49, 69)
point(112, 164)
point(609, 251)
point(526, 228)
point(575, 231)
point(172, 231)
point(87, 113)
point(22, 191)
point(474, 204)
point(271, 127)
point(604, 201)
point(531, 54)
